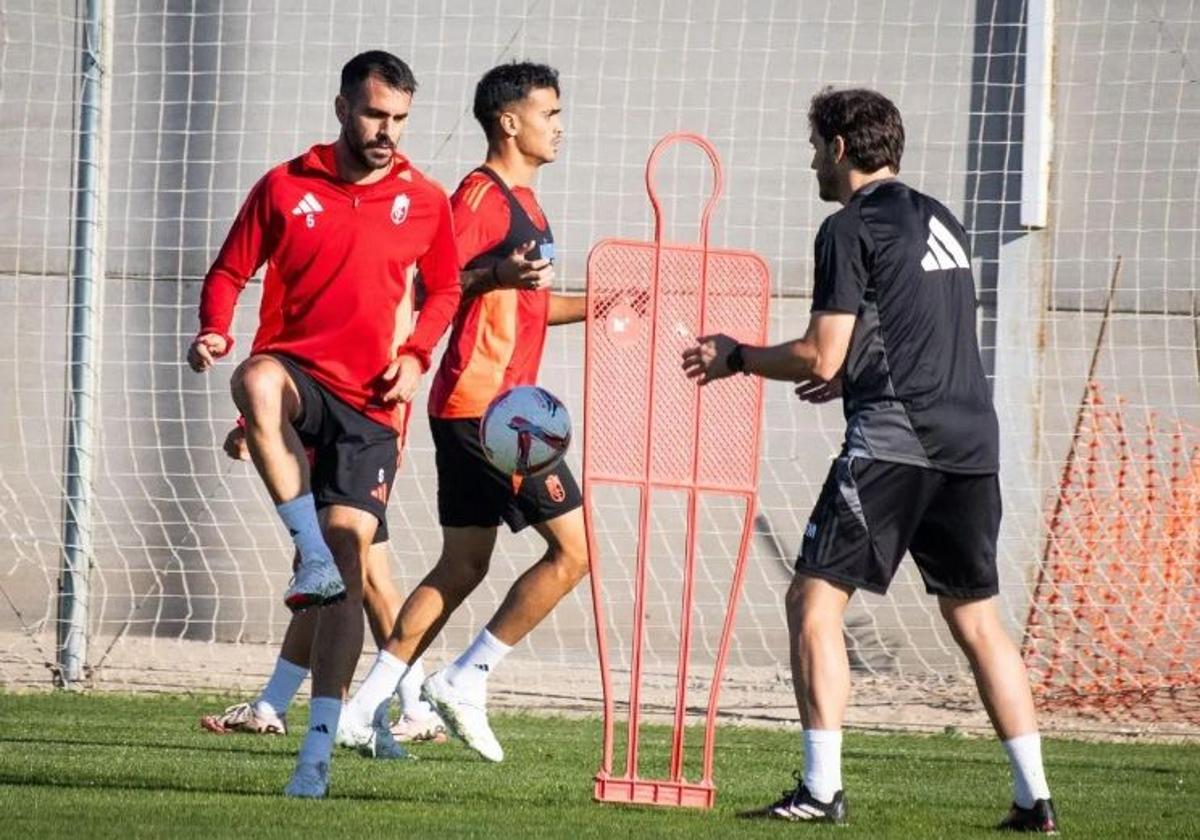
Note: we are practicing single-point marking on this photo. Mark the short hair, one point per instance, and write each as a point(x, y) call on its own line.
point(508, 83)
point(867, 121)
point(389, 69)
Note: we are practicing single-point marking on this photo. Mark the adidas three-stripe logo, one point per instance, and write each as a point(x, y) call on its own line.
point(308, 204)
point(944, 250)
point(804, 811)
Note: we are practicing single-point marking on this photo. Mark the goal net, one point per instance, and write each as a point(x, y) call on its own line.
point(1088, 326)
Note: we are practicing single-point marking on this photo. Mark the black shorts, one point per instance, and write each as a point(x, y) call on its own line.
point(473, 492)
point(354, 457)
point(870, 512)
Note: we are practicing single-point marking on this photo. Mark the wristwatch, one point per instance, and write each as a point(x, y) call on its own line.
point(735, 361)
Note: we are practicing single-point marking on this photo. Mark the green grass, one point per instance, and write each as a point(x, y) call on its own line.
point(116, 766)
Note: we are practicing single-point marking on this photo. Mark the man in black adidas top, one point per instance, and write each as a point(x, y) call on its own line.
point(892, 333)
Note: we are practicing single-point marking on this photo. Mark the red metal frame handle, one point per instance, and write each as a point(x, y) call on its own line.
point(718, 180)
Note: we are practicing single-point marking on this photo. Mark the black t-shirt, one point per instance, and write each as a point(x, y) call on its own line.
point(914, 390)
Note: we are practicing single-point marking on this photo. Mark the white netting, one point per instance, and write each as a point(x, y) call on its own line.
point(189, 561)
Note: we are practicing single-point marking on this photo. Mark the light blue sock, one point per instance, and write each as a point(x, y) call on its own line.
point(323, 714)
point(300, 517)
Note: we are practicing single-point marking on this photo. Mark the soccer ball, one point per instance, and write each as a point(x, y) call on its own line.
point(525, 430)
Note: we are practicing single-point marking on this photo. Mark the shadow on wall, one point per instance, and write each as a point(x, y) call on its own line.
point(993, 193)
point(160, 468)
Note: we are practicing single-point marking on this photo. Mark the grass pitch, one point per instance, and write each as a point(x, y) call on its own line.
point(118, 766)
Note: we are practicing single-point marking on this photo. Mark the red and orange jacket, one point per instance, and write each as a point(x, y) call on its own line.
point(498, 336)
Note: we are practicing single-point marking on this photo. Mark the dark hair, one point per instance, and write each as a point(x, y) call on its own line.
point(508, 83)
point(390, 70)
point(867, 121)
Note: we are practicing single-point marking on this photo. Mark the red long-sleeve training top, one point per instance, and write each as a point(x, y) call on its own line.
point(343, 257)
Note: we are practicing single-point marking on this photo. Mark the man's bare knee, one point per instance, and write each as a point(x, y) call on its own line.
point(381, 599)
point(464, 562)
point(377, 573)
point(566, 546)
point(815, 625)
point(815, 605)
point(257, 377)
point(261, 383)
point(570, 561)
point(973, 624)
point(460, 574)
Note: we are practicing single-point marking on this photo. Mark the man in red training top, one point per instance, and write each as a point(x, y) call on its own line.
point(343, 227)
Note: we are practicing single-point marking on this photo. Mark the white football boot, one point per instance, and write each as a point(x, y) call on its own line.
point(370, 741)
point(465, 715)
point(253, 718)
point(414, 728)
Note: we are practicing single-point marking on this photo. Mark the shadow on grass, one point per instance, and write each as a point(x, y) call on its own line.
point(454, 754)
point(1122, 764)
point(224, 746)
point(469, 796)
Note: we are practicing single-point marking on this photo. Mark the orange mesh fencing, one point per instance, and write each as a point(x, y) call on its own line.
point(1114, 627)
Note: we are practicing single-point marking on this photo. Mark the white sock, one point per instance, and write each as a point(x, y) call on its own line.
point(471, 670)
point(409, 692)
point(323, 714)
point(285, 681)
point(375, 691)
point(1029, 776)
point(823, 762)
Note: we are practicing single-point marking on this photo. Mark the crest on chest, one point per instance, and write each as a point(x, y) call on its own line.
point(400, 206)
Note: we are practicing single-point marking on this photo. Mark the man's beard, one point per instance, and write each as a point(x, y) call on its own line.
point(826, 187)
point(359, 150)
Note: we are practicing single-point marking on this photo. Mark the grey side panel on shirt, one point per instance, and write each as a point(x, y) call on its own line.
point(879, 429)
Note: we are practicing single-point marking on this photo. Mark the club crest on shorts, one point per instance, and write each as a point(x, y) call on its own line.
point(399, 209)
point(555, 489)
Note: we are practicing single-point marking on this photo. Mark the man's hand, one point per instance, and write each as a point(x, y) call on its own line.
point(819, 390)
point(235, 444)
point(205, 351)
point(518, 272)
point(404, 374)
point(709, 359)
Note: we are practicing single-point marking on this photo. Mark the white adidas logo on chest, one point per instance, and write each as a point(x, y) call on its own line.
point(308, 207)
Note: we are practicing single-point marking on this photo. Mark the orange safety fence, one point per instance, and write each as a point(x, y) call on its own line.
point(1114, 626)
